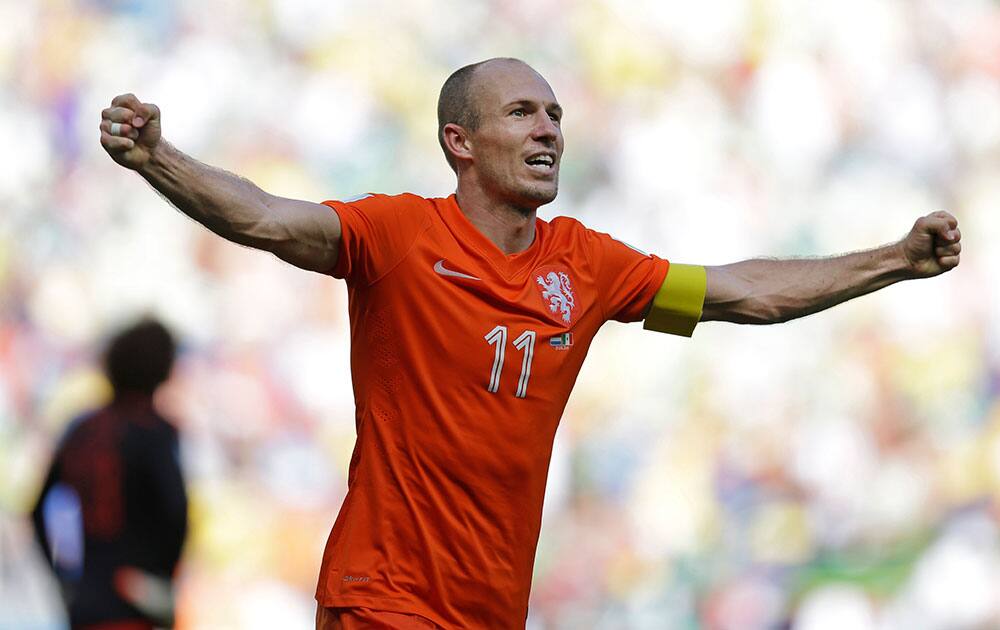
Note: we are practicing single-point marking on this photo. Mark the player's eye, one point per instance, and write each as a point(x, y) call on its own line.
point(519, 112)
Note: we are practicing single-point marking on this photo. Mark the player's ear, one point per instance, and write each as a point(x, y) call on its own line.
point(457, 142)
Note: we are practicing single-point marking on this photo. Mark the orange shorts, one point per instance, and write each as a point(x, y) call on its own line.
point(366, 618)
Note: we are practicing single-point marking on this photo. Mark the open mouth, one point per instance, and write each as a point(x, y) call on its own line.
point(542, 162)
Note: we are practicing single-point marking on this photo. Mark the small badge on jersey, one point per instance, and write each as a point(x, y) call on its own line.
point(556, 291)
point(562, 342)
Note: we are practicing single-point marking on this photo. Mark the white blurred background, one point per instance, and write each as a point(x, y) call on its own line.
point(837, 472)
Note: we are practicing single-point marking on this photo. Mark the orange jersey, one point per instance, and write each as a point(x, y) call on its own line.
point(463, 358)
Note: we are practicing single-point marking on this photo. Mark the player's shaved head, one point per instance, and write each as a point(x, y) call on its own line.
point(457, 102)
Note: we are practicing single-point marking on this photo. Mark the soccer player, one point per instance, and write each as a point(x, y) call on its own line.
point(470, 319)
point(112, 514)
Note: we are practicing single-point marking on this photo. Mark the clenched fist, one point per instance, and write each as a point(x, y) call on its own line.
point(130, 131)
point(933, 245)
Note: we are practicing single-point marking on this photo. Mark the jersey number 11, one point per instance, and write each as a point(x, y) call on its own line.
point(526, 343)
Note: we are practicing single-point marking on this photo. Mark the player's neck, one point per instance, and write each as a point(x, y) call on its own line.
point(512, 229)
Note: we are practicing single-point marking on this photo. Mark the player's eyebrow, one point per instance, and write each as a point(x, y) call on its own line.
point(551, 107)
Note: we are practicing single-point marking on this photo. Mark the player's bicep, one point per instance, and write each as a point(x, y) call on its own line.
point(307, 234)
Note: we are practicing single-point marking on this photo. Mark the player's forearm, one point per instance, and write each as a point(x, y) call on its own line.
point(227, 204)
point(767, 291)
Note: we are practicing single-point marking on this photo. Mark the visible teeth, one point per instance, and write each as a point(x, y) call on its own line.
point(541, 159)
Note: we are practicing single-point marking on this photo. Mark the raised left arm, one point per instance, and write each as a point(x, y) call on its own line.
point(768, 291)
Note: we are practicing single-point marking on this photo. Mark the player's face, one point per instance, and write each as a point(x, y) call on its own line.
point(518, 145)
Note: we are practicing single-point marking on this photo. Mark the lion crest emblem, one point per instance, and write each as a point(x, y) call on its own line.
point(557, 292)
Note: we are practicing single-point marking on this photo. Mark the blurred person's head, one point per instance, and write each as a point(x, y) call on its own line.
point(498, 124)
point(139, 358)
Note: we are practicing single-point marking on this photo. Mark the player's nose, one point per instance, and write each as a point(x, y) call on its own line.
point(545, 128)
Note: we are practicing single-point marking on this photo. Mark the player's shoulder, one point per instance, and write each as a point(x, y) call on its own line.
point(569, 239)
point(405, 206)
point(568, 228)
point(76, 427)
point(566, 224)
point(565, 229)
point(387, 198)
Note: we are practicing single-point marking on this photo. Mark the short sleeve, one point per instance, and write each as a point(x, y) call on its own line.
point(627, 277)
point(377, 231)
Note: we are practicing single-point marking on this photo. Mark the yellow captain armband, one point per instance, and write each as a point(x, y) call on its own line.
point(676, 307)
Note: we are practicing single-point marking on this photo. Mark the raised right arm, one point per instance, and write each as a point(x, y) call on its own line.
point(302, 233)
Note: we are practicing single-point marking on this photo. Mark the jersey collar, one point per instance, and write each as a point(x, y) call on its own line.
point(509, 265)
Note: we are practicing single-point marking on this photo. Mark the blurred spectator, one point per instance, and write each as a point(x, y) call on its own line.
point(112, 515)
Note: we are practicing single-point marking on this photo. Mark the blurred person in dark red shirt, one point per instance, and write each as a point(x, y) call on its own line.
point(112, 515)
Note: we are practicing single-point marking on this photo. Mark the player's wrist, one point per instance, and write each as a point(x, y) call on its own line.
point(896, 262)
point(160, 156)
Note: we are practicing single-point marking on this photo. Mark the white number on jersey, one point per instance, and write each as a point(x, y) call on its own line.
point(526, 343)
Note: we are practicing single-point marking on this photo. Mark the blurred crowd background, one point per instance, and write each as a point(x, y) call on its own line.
point(841, 471)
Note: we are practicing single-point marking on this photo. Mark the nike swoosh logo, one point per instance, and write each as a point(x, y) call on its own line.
point(439, 267)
